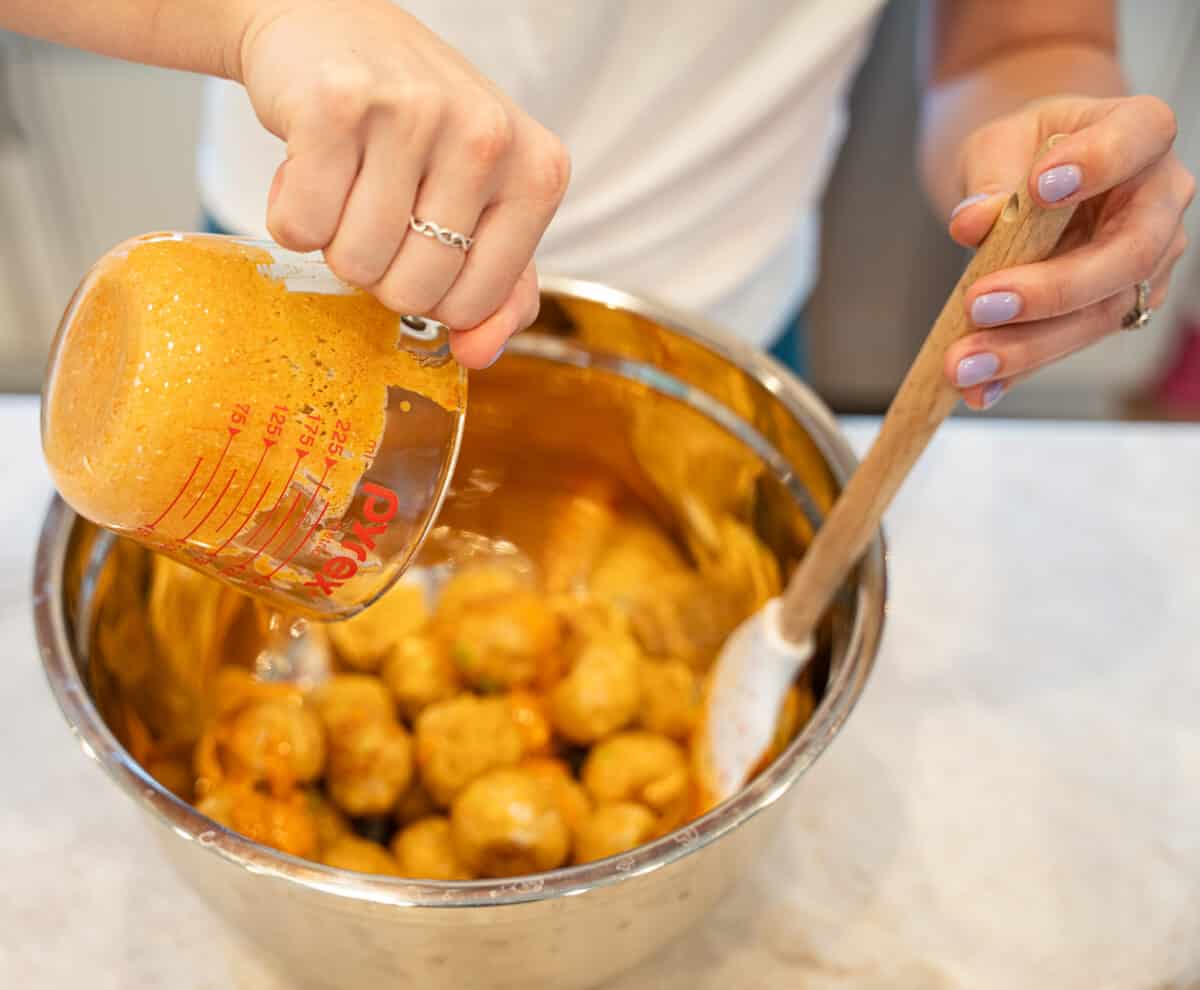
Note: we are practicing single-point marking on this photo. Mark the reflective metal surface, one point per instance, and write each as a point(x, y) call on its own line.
point(700, 430)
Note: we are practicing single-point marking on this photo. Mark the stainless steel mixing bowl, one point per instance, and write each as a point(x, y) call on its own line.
point(689, 421)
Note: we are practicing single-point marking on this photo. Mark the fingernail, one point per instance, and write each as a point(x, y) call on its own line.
point(995, 307)
point(499, 355)
point(993, 394)
point(976, 369)
point(969, 201)
point(1059, 182)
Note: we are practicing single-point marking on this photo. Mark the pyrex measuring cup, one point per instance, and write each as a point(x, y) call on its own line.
point(235, 406)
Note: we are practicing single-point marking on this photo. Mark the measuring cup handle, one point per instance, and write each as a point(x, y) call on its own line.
point(1023, 233)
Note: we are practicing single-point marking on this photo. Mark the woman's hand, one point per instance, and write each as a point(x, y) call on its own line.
point(1118, 164)
point(384, 122)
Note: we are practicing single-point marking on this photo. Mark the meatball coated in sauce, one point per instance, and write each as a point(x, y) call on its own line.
point(670, 698)
point(331, 824)
point(346, 700)
point(565, 791)
point(638, 766)
point(612, 829)
point(501, 641)
point(507, 823)
point(419, 672)
point(281, 742)
point(360, 855)
point(425, 849)
point(600, 693)
point(461, 739)
point(284, 823)
point(370, 766)
point(364, 642)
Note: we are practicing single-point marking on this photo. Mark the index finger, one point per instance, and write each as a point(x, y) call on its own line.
point(1127, 139)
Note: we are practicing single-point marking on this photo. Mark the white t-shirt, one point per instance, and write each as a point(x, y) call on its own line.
point(701, 134)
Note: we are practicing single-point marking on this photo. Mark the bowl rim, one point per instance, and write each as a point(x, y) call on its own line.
point(99, 744)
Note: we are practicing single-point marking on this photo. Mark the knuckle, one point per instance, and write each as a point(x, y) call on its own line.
point(461, 314)
point(489, 136)
point(405, 297)
point(352, 265)
point(551, 172)
point(414, 103)
point(343, 92)
point(295, 232)
point(1159, 113)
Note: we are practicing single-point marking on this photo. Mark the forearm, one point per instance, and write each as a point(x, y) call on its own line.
point(966, 90)
point(193, 35)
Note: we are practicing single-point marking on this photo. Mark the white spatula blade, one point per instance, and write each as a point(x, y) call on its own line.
point(751, 678)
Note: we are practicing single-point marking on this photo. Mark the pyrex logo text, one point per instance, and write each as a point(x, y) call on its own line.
point(379, 508)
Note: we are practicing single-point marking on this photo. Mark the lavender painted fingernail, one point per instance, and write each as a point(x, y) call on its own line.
point(993, 394)
point(1059, 182)
point(976, 369)
point(499, 355)
point(995, 307)
point(969, 201)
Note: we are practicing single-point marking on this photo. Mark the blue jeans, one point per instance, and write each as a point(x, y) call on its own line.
point(789, 350)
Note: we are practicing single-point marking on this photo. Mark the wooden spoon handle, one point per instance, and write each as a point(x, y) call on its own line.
point(1023, 233)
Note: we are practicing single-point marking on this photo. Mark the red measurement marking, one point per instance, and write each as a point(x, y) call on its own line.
point(199, 461)
point(203, 491)
point(300, 546)
point(271, 539)
point(249, 515)
point(267, 445)
point(329, 462)
point(212, 508)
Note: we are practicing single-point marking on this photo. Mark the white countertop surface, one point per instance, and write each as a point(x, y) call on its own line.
point(1014, 803)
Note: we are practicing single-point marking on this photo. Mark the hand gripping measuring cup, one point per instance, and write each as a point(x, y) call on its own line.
point(236, 407)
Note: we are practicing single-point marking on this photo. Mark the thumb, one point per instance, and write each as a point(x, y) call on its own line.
point(995, 163)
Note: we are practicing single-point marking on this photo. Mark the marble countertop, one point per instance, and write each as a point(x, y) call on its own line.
point(1015, 801)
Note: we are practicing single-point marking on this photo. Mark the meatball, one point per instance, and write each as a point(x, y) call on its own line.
point(425, 850)
point(365, 641)
point(360, 855)
point(502, 641)
point(601, 692)
point(612, 829)
point(370, 765)
point(420, 672)
point(565, 791)
point(533, 721)
point(330, 823)
point(346, 700)
point(671, 698)
point(638, 766)
point(506, 824)
point(281, 742)
point(284, 823)
point(460, 594)
point(460, 739)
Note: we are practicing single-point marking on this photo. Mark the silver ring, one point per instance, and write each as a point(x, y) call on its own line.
point(450, 238)
point(1141, 313)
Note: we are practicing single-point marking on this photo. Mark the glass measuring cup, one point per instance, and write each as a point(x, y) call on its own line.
point(236, 407)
